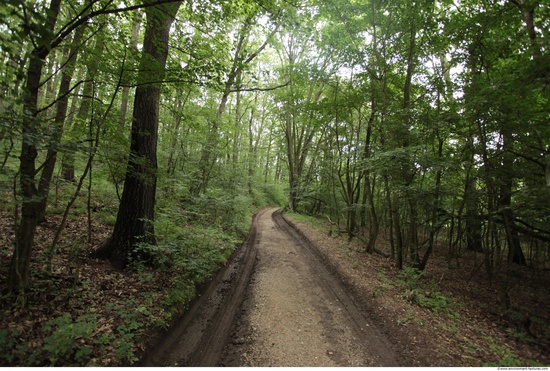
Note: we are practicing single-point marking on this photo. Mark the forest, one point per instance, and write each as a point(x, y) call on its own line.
point(138, 137)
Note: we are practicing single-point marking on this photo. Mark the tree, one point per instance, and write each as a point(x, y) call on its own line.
point(136, 213)
point(59, 121)
point(241, 58)
point(19, 269)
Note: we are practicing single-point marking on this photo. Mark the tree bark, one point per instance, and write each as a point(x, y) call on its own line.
point(136, 214)
point(136, 23)
point(61, 113)
point(18, 277)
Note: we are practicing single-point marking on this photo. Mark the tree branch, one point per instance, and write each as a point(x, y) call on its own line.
point(61, 97)
point(81, 19)
point(260, 89)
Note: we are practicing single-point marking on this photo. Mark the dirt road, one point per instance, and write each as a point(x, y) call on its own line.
point(275, 304)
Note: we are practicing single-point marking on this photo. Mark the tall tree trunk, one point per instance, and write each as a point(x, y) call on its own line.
point(202, 178)
point(397, 230)
point(515, 253)
point(435, 207)
point(136, 23)
point(474, 241)
point(177, 118)
point(18, 278)
point(136, 213)
point(253, 143)
point(407, 166)
point(61, 113)
point(67, 162)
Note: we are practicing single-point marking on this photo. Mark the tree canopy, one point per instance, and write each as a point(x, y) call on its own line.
point(411, 119)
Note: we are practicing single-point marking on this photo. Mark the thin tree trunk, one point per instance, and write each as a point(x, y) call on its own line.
point(61, 113)
point(201, 180)
point(397, 230)
point(136, 23)
point(18, 277)
point(406, 169)
point(515, 252)
point(67, 162)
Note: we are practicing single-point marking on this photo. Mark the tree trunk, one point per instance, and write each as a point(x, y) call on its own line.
point(67, 163)
point(61, 113)
point(136, 23)
point(515, 253)
point(18, 277)
point(202, 178)
point(136, 213)
point(407, 166)
point(474, 240)
point(435, 207)
point(397, 230)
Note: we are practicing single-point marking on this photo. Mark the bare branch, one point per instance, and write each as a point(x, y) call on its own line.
point(260, 89)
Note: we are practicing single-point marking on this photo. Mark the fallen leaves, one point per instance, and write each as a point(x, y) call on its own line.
point(77, 286)
point(473, 334)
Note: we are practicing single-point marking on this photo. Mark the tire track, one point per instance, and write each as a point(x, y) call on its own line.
point(198, 338)
point(275, 304)
point(298, 313)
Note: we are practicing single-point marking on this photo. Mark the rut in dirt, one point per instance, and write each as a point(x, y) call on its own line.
point(275, 304)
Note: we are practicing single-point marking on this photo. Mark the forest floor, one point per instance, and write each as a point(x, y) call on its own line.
point(86, 313)
point(444, 317)
point(316, 300)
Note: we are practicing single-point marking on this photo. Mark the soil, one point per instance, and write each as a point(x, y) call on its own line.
point(297, 313)
point(294, 295)
point(275, 304)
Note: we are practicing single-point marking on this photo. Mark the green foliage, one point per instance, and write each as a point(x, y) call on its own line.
point(385, 285)
point(410, 278)
point(409, 318)
point(318, 222)
point(8, 344)
point(268, 194)
point(67, 338)
point(180, 294)
point(134, 318)
point(506, 357)
point(495, 106)
point(218, 207)
point(425, 294)
point(433, 300)
point(521, 336)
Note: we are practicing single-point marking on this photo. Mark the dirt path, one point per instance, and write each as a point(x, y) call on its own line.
point(275, 304)
point(297, 314)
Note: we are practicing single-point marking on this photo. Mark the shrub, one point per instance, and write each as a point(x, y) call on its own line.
point(8, 342)
point(424, 294)
point(68, 336)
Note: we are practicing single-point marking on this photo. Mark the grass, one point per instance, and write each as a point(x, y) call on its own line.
point(317, 222)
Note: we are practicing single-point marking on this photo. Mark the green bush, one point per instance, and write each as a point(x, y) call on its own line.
point(67, 338)
point(424, 294)
point(8, 343)
point(267, 194)
point(410, 278)
point(181, 293)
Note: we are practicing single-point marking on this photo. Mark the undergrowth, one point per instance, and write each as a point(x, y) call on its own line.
point(425, 293)
point(105, 318)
